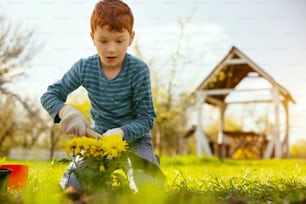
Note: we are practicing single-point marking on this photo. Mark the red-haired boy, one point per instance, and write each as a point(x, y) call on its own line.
point(118, 86)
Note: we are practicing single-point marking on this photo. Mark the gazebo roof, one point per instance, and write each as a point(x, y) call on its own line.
point(230, 72)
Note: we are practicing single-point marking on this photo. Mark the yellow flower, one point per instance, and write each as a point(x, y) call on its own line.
point(68, 148)
point(70, 145)
point(76, 151)
point(113, 145)
point(103, 157)
point(101, 168)
point(108, 146)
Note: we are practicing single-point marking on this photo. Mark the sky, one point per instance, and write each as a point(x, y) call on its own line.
point(270, 32)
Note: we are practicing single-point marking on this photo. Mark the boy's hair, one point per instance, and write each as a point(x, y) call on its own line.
point(112, 13)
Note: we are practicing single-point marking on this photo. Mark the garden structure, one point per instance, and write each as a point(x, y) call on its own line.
point(224, 82)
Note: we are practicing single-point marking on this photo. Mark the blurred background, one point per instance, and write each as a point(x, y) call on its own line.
point(182, 41)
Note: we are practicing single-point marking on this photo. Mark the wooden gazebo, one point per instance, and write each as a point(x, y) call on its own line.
point(221, 83)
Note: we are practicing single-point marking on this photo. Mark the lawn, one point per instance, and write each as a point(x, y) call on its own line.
point(190, 179)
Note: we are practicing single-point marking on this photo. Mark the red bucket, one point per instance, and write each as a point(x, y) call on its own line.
point(19, 175)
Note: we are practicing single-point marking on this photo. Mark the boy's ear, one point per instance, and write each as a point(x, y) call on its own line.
point(131, 38)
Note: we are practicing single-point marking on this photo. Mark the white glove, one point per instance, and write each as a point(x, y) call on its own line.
point(72, 121)
point(114, 131)
point(93, 134)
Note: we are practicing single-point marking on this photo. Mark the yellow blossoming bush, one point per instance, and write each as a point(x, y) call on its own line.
point(244, 153)
point(96, 160)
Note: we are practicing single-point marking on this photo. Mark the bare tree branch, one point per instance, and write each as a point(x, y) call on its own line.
point(21, 124)
point(16, 50)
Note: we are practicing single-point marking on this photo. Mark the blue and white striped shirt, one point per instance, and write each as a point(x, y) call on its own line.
point(125, 101)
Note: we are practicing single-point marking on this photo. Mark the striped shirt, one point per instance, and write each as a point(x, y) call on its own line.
point(125, 101)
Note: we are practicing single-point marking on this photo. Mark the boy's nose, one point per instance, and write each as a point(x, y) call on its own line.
point(111, 48)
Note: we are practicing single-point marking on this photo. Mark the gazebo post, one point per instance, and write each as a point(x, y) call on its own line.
point(222, 140)
point(202, 142)
point(275, 139)
point(276, 132)
point(286, 138)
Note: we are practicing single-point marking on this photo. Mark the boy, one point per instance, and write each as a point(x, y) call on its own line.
point(117, 83)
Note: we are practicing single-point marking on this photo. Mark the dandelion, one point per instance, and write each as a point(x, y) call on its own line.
point(113, 145)
point(102, 158)
point(101, 168)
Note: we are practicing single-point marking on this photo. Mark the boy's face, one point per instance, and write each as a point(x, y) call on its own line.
point(111, 46)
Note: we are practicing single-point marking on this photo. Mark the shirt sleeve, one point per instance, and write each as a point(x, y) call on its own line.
point(144, 107)
point(55, 96)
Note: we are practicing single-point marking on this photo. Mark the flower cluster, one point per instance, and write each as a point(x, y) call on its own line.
point(89, 147)
point(96, 159)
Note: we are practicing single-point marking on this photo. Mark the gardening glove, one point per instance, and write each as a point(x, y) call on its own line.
point(72, 121)
point(93, 134)
point(114, 131)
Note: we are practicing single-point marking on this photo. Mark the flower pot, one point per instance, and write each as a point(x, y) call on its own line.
point(4, 177)
point(19, 175)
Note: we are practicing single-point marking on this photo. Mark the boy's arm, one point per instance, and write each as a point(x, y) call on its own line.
point(143, 102)
point(53, 100)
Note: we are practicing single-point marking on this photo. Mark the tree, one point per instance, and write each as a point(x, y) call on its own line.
point(6, 120)
point(16, 51)
point(169, 97)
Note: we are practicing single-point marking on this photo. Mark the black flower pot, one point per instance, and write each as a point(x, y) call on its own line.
point(4, 177)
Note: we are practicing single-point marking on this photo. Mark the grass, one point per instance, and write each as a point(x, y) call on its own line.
point(254, 181)
point(189, 180)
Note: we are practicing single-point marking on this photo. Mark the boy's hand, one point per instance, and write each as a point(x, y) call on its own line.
point(114, 131)
point(93, 134)
point(72, 121)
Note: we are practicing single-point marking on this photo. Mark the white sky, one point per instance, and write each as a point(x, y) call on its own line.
point(270, 32)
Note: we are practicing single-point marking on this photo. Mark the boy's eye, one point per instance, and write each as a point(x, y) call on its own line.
point(119, 41)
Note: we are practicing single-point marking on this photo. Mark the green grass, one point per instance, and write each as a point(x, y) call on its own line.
point(255, 181)
point(189, 180)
